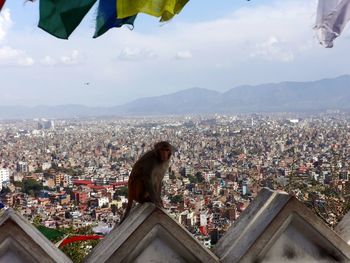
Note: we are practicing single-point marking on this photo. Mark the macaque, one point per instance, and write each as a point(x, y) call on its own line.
point(145, 181)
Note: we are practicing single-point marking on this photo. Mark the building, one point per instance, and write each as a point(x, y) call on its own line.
point(4, 177)
point(22, 167)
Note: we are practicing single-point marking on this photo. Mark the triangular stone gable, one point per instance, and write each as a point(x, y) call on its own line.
point(149, 234)
point(276, 227)
point(22, 242)
point(343, 228)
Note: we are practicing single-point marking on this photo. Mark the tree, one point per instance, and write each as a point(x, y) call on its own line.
point(172, 175)
point(176, 199)
point(77, 251)
point(37, 220)
point(193, 179)
point(199, 177)
point(18, 184)
point(121, 191)
point(5, 191)
point(31, 187)
point(114, 209)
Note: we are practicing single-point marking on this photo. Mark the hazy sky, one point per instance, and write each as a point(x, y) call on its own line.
point(216, 45)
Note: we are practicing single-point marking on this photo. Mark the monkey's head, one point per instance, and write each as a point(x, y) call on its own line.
point(163, 150)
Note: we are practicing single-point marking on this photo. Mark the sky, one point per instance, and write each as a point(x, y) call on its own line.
point(216, 45)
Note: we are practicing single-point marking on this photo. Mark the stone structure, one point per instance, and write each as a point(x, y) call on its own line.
point(276, 227)
point(150, 235)
point(343, 228)
point(21, 242)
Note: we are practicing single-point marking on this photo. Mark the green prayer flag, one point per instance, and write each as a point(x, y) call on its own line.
point(61, 17)
point(166, 9)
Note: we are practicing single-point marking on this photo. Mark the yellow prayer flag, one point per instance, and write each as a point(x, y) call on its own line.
point(165, 9)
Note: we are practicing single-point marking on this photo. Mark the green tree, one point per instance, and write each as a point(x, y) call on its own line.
point(31, 187)
point(193, 179)
point(172, 175)
point(114, 209)
point(18, 184)
point(77, 251)
point(199, 177)
point(5, 191)
point(176, 199)
point(37, 221)
point(121, 191)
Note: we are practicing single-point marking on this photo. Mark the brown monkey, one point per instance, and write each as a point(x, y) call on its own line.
point(145, 181)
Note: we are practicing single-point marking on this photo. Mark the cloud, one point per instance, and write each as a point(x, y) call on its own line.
point(25, 61)
point(276, 32)
point(183, 55)
point(5, 23)
point(136, 54)
point(273, 49)
point(48, 61)
point(72, 59)
point(11, 56)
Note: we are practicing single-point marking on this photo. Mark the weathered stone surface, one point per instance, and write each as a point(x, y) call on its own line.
point(149, 234)
point(22, 242)
point(278, 228)
point(343, 228)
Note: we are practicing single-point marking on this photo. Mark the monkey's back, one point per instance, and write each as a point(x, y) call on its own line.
point(139, 177)
point(144, 166)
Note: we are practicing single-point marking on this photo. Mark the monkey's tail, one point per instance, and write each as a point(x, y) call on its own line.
point(127, 211)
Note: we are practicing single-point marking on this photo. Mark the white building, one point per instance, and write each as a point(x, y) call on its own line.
point(103, 201)
point(4, 175)
point(46, 166)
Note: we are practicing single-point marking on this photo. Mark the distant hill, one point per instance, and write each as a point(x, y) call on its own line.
point(273, 97)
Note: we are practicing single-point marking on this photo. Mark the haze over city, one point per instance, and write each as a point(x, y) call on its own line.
point(218, 48)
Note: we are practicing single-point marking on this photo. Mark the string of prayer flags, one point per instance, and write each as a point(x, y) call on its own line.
point(61, 17)
point(2, 2)
point(107, 17)
point(165, 9)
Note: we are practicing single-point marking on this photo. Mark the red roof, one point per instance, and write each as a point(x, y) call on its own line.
point(120, 183)
point(97, 187)
point(82, 182)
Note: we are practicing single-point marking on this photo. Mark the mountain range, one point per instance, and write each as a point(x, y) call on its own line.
point(309, 96)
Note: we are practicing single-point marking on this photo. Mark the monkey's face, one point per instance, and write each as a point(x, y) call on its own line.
point(163, 150)
point(164, 154)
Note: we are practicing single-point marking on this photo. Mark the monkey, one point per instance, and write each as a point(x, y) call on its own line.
point(145, 180)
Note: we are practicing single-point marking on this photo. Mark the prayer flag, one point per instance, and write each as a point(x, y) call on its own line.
point(332, 17)
point(107, 17)
point(61, 17)
point(165, 9)
point(2, 2)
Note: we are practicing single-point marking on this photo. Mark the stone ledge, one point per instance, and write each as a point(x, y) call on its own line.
point(276, 223)
point(149, 234)
point(20, 241)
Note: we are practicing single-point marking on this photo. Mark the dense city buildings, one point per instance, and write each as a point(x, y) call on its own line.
point(74, 173)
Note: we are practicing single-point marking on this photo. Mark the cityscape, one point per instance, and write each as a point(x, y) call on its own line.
point(73, 173)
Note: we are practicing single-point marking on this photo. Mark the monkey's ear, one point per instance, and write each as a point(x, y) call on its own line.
point(156, 145)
